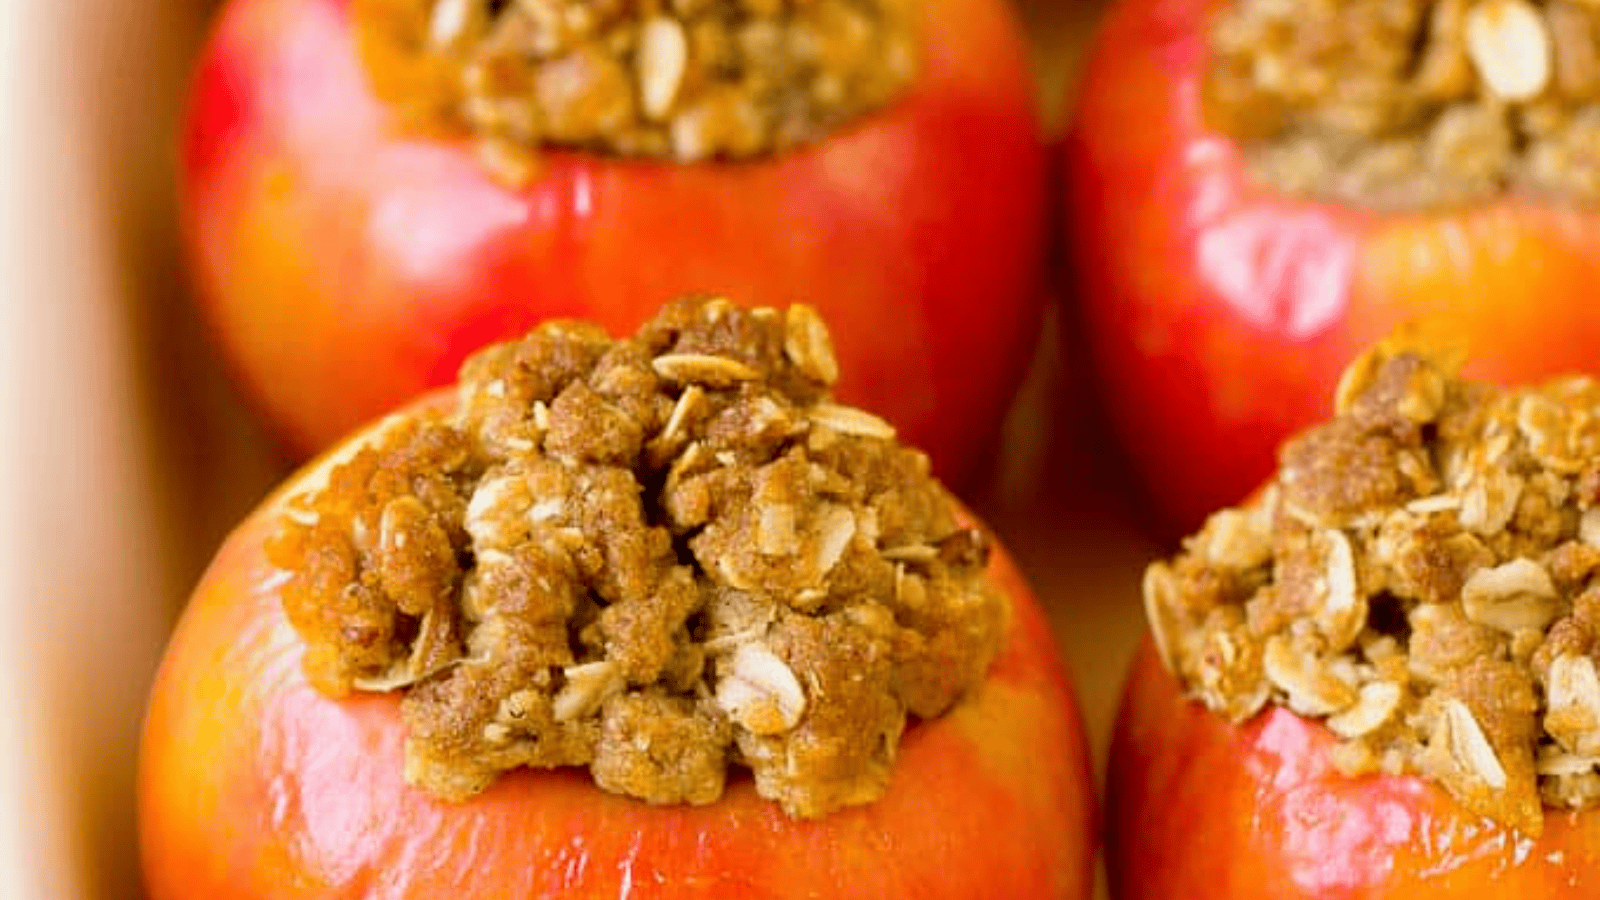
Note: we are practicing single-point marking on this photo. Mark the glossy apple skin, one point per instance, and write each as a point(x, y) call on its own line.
point(345, 266)
point(253, 786)
point(1199, 808)
point(1220, 314)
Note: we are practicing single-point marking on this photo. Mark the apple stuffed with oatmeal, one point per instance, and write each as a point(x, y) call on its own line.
point(1377, 677)
point(654, 614)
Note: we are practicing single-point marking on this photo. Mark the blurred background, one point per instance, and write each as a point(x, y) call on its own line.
point(126, 455)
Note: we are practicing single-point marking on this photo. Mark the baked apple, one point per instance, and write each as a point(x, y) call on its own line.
point(1377, 678)
point(649, 615)
point(373, 189)
point(1258, 191)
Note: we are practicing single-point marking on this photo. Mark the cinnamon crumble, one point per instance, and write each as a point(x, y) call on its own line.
point(1408, 104)
point(657, 557)
point(1420, 576)
point(680, 79)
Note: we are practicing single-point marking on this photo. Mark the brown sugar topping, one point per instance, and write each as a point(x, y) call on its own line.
point(1421, 576)
point(1408, 104)
point(679, 79)
point(655, 557)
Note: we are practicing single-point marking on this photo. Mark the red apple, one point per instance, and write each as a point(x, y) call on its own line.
point(1221, 313)
point(346, 265)
point(253, 785)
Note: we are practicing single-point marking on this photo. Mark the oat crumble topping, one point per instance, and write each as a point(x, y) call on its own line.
point(681, 79)
point(655, 557)
point(1423, 576)
point(1408, 104)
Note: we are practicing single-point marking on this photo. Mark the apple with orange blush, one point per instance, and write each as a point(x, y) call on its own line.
point(373, 189)
point(1256, 192)
point(901, 727)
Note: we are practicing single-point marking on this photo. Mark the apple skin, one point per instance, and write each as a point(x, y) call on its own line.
point(1200, 808)
point(1219, 314)
point(253, 786)
point(345, 267)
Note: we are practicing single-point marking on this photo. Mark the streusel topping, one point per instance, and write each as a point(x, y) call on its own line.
point(1420, 576)
point(681, 79)
point(657, 557)
point(1408, 104)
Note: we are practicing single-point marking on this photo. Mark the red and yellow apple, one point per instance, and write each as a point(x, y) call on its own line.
point(346, 265)
point(1220, 313)
point(253, 785)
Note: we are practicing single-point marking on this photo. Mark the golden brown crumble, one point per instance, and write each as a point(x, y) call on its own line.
point(1405, 104)
point(654, 557)
point(681, 79)
point(1421, 575)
